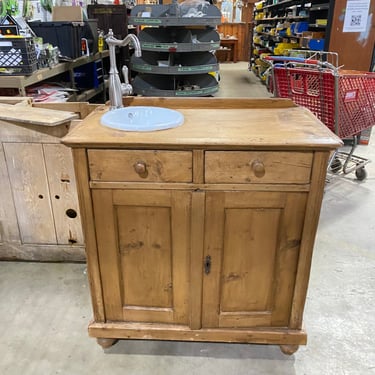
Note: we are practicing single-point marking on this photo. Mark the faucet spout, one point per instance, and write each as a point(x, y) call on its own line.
point(116, 89)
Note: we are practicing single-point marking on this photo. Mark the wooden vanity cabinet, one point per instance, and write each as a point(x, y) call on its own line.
point(199, 236)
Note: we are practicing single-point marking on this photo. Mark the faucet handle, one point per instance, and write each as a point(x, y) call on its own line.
point(125, 73)
point(126, 88)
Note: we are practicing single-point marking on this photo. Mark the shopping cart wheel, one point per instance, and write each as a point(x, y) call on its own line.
point(361, 173)
point(336, 165)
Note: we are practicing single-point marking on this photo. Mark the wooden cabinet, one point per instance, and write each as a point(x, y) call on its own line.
point(198, 233)
point(39, 212)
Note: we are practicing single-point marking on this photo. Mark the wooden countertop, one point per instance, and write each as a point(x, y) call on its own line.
point(215, 123)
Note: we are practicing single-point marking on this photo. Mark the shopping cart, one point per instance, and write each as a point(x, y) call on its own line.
point(344, 100)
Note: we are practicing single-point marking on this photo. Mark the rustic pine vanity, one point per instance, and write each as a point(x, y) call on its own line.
point(204, 232)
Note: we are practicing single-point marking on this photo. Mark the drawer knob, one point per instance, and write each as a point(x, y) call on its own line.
point(141, 168)
point(258, 168)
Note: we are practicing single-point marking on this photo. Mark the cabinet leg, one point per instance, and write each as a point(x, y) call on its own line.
point(106, 343)
point(289, 349)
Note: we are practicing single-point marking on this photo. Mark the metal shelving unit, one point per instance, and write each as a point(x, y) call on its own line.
point(282, 25)
point(177, 56)
point(174, 15)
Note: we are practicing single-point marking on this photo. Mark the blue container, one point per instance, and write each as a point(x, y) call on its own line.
point(89, 75)
point(300, 27)
point(316, 44)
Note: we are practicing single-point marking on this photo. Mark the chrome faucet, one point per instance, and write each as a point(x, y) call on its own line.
point(116, 88)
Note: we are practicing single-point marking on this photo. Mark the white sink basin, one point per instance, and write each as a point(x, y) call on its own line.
point(142, 119)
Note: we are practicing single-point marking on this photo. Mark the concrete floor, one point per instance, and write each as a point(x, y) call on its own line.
point(45, 308)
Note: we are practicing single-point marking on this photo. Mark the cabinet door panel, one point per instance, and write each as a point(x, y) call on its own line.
point(253, 240)
point(8, 220)
point(28, 177)
point(64, 200)
point(144, 245)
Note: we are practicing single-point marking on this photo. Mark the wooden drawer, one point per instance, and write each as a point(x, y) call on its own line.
point(140, 166)
point(257, 167)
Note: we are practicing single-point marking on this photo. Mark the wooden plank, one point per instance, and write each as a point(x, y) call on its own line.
point(87, 217)
point(9, 231)
point(213, 240)
point(108, 253)
point(203, 187)
point(311, 221)
point(181, 252)
point(170, 332)
point(30, 133)
point(219, 103)
point(18, 100)
point(28, 178)
point(42, 253)
point(287, 257)
point(196, 259)
point(83, 109)
point(36, 116)
point(63, 190)
point(198, 166)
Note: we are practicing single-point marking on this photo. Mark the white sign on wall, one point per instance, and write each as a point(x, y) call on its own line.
point(356, 15)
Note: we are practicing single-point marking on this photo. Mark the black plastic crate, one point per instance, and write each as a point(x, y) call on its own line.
point(17, 56)
point(67, 35)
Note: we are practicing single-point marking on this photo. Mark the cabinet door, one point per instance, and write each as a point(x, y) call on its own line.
point(29, 182)
point(252, 240)
point(63, 192)
point(143, 242)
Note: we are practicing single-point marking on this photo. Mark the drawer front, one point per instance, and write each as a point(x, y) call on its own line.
point(140, 166)
point(242, 167)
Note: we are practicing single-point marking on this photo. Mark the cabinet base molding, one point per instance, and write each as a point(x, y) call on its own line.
point(288, 338)
point(42, 253)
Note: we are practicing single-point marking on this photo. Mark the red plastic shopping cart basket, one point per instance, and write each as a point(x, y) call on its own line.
point(343, 100)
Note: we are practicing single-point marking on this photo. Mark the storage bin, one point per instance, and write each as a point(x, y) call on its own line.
point(67, 35)
point(89, 75)
point(17, 56)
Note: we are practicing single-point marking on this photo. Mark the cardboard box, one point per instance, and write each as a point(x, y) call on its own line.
point(67, 13)
point(313, 34)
